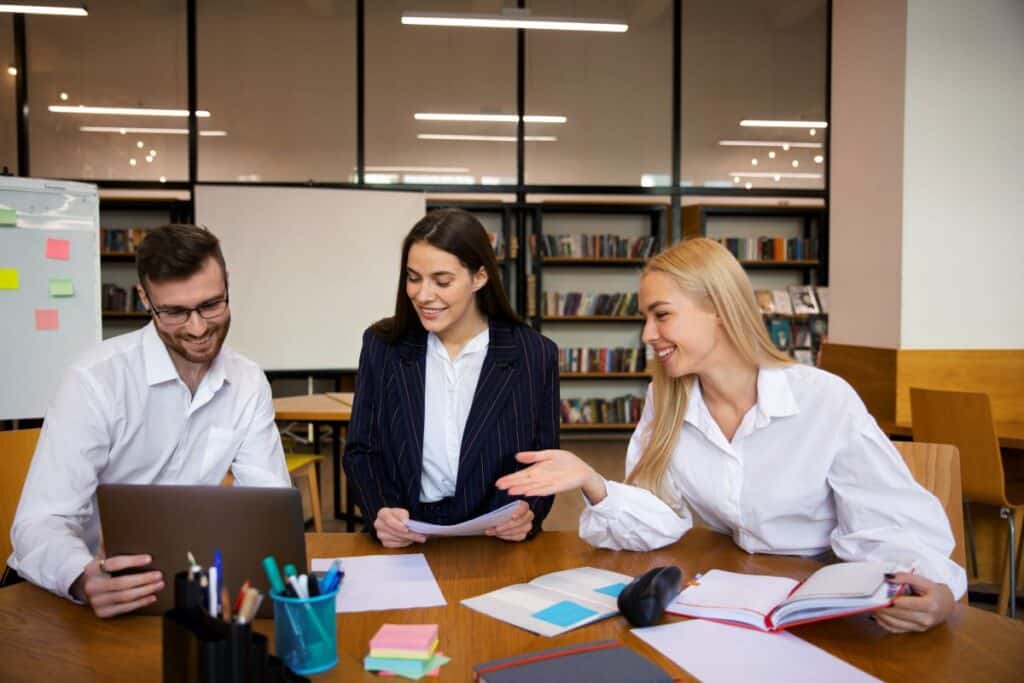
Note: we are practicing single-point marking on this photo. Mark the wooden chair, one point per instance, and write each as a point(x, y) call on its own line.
point(936, 467)
point(964, 419)
point(299, 467)
point(16, 450)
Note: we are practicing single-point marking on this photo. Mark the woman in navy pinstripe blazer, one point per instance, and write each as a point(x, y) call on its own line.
point(448, 390)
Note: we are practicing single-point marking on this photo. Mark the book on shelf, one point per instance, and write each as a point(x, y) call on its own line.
point(774, 603)
point(805, 356)
point(777, 249)
point(596, 246)
point(804, 301)
point(620, 410)
point(555, 603)
point(114, 298)
point(802, 338)
point(497, 243)
point(606, 661)
point(823, 300)
point(531, 295)
point(781, 333)
point(602, 360)
point(782, 304)
point(765, 301)
point(569, 304)
point(120, 241)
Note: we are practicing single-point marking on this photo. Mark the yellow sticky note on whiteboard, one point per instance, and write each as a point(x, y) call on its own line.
point(8, 278)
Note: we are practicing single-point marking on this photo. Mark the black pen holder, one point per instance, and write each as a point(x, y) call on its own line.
point(198, 648)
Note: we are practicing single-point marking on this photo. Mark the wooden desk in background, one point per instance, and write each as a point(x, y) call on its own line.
point(1011, 434)
point(46, 638)
point(332, 410)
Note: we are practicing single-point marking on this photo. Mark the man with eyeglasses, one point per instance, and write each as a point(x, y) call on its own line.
point(168, 404)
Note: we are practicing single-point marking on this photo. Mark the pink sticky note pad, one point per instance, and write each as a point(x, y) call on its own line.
point(46, 319)
point(58, 249)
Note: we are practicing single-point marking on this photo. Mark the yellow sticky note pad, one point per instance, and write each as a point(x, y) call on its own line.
point(9, 278)
point(61, 287)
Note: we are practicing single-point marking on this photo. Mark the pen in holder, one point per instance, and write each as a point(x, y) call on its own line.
point(305, 632)
point(198, 648)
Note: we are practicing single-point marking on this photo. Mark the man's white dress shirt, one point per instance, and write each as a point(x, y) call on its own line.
point(807, 470)
point(448, 396)
point(123, 415)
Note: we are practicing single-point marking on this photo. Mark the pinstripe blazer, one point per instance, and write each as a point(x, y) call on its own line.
point(515, 408)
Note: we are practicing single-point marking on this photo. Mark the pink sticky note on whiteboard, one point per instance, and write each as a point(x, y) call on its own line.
point(46, 319)
point(58, 249)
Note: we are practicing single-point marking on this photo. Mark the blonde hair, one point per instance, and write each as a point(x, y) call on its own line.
point(706, 271)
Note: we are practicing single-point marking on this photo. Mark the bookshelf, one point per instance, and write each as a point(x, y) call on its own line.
point(117, 267)
point(593, 274)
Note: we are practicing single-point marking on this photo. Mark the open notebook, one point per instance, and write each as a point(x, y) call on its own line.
point(557, 602)
point(772, 603)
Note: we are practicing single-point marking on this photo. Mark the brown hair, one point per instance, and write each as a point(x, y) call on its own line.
point(175, 252)
point(459, 233)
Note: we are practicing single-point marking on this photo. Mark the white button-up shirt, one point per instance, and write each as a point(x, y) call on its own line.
point(448, 396)
point(123, 415)
point(807, 470)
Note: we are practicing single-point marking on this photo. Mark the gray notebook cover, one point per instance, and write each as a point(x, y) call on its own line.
point(606, 661)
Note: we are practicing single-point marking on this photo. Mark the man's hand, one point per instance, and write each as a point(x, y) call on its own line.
point(109, 596)
point(391, 529)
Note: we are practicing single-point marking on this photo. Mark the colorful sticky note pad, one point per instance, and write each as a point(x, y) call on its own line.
point(58, 249)
point(565, 613)
point(61, 286)
point(8, 278)
point(612, 590)
point(8, 217)
point(46, 319)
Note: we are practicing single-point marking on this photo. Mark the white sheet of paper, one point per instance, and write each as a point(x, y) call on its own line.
point(379, 582)
point(472, 527)
point(716, 652)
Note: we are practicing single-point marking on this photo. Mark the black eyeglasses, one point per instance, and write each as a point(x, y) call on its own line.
point(180, 315)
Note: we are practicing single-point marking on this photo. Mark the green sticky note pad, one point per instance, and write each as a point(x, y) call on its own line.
point(8, 278)
point(8, 218)
point(61, 287)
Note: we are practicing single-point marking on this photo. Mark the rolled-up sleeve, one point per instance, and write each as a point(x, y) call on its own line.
point(630, 517)
point(884, 515)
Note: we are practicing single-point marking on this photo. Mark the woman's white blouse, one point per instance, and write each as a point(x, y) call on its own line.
point(808, 470)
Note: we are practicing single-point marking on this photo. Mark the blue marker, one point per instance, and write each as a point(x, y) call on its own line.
point(331, 579)
point(218, 562)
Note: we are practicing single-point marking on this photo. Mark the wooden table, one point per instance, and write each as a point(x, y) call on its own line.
point(45, 638)
point(332, 410)
point(1011, 434)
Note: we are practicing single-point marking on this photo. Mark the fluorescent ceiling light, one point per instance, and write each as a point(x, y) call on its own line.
point(745, 174)
point(766, 123)
point(66, 9)
point(490, 118)
point(511, 20)
point(124, 111)
point(433, 178)
point(768, 143)
point(150, 131)
point(486, 138)
point(417, 169)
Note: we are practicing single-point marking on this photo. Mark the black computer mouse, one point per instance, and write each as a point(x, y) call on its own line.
point(644, 600)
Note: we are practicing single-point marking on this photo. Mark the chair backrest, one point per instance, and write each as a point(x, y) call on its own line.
point(963, 419)
point(16, 450)
point(936, 467)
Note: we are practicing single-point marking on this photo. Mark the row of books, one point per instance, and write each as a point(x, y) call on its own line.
point(121, 241)
point(497, 240)
point(564, 304)
point(598, 246)
point(789, 335)
point(623, 409)
point(770, 248)
point(795, 299)
point(114, 298)
point(602, 360)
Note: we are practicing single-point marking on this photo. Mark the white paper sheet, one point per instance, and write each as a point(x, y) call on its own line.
point(715, 653)
point(379, 582)
point(472, 527)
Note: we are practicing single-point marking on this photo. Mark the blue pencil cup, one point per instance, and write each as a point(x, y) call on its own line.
point(305, 632)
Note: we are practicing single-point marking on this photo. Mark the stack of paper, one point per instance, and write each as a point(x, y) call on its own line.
point(406, 650)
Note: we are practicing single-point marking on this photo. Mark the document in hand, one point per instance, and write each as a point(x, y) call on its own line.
point(555, 603)
point(773, 603)
point(473, 527)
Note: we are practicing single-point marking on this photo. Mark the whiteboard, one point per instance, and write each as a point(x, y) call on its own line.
point(309, 268)
point(33, 361)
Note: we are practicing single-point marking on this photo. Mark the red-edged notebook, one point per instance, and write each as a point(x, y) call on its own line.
point(773, 603)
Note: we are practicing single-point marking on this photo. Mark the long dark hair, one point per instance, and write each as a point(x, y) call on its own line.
point(459, 233)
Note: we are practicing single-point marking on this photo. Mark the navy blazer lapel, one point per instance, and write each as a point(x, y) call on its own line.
point(497, 378)
point(412, 363)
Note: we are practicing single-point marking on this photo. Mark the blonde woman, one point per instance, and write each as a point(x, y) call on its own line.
point(783, 457)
